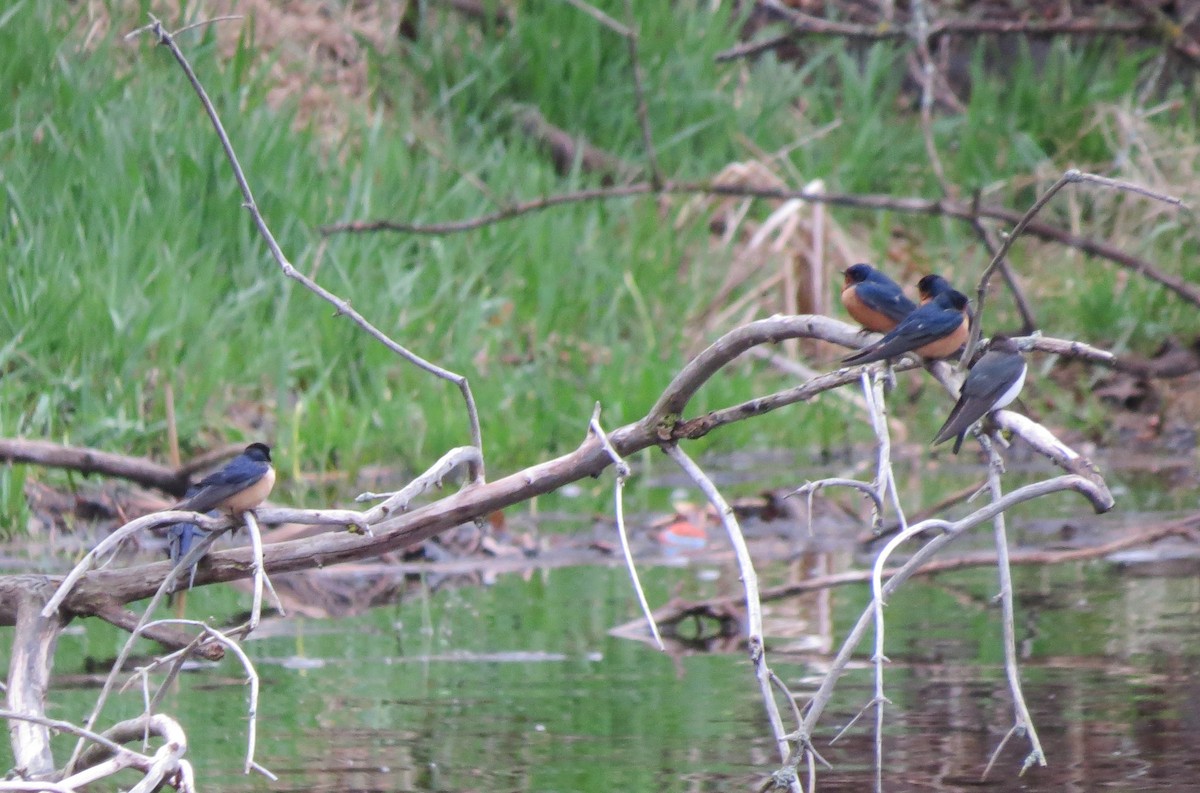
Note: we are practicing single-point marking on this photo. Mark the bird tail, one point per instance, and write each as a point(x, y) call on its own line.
point(865, 355)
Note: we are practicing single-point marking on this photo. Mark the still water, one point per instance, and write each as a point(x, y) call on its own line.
point(519, 686)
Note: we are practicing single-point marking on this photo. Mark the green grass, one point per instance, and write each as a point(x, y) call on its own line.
point(130, 264)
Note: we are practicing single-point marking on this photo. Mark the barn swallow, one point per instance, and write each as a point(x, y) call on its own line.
point(932, 285)
point(874, 300)
point(993, 382)
point(243, 484)
point(934, 330)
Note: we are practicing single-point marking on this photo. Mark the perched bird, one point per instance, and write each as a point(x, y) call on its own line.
point(874, 300)
point(934, 330)
point(182, 536)
point(243, 484)
point(992, 383)
point(932, 285)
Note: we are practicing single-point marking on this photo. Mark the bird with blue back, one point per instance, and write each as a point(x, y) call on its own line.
point(237, 487)
point(991, 384)
point(874, 301)
point(935, 330)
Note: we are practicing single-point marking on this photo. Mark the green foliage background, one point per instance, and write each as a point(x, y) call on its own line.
point(130, 264)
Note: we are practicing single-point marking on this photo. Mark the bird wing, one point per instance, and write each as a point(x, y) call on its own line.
point(995, 374)
point(886, 298)
point(917, 330)
point(989, 381)
point(214, 489)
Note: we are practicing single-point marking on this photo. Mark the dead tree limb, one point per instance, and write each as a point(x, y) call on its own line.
point(29, 677)
point(1149, 29)
point(870, 201)
point(92, 461)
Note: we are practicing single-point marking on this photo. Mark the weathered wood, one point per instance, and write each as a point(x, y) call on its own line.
point(89, 461)
point(29, 674)
point(662, 424)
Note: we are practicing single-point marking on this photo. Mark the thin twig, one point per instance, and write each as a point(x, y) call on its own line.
point(885, 477)
point(639, 89)
point(112, 541)
point(676, 611)
point(1023, 721)
point(64, 726)
point(190, 558)
point(252, 680)
point(600, 16)
point(951, 530)
point(433, 477)
point(870, 490)
point(885, 29)
point(1069, 177)
point(1028, 322)
point(256, 549)
point(622, 470)
point(885, 481)
point(341, 307)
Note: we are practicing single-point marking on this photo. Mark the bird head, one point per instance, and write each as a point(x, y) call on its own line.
point(932, 285)
point(259, 452)
point(857, 273)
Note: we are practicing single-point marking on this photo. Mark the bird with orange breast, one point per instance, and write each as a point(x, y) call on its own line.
point(935, 330)
point(874, 301)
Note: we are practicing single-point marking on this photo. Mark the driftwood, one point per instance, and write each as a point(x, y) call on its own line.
point(93, 461)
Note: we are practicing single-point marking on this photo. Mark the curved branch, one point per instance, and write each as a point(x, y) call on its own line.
point(683, 387)
point(952, 530)
point(1071, 176)
point(477, 500)
point(754, 628)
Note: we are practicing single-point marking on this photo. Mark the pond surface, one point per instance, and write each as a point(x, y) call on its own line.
point(521, 686)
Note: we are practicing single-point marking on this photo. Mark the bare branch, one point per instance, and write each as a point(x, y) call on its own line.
point(754, 627)
point(342, 307)
point(951, 531)
point(1023, 722)
point(400, 530)
point(970, 213)
point(110, 543)
point(677, 611)
point(63, 726)
point(432, 478)
point(29, 666)
point(1069, 177)
point(622, 469)
point(92, 461)
point(886, 30)
point(685, 384)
